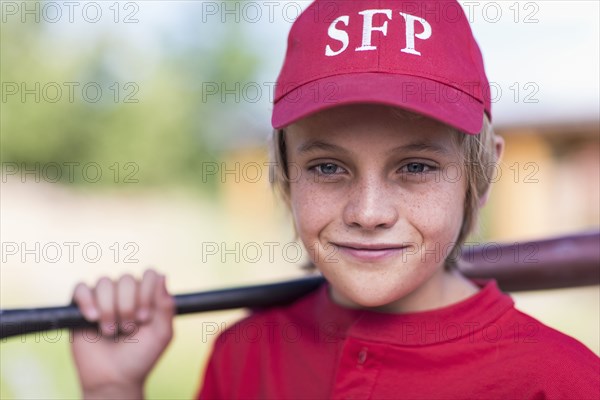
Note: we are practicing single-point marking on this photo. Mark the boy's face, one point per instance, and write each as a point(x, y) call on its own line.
point(377, 200)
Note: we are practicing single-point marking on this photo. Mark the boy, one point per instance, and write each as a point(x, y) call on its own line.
point(383, 147)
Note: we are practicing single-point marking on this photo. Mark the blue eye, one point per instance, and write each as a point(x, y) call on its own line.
point(416, 168)
point(327, 168)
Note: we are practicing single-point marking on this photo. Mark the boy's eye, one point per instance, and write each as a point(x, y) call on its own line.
point(416, 168)
point(327, 168)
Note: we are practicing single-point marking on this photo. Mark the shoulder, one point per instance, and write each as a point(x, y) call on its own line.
point(527, 329)
point(561, 365)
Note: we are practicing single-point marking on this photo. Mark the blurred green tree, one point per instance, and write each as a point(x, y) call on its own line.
point(151, 118)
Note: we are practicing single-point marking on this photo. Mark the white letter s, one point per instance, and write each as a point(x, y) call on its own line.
point(339, 35)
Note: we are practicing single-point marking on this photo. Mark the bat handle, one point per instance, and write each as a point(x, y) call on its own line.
point(23, 321)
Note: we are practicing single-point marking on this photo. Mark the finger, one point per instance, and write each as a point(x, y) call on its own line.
point(105, 298)
point(164, 310)
point(162, 299)
point(83, 296)
point(126, 296)
point(146, 291)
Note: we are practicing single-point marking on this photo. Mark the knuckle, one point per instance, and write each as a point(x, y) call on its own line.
point(128, 326)
point(107, 315)
point(126, 312)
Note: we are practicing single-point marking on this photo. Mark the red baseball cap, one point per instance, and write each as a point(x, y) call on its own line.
point(417, 55)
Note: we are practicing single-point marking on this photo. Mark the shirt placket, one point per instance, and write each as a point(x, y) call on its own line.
point(358, 370)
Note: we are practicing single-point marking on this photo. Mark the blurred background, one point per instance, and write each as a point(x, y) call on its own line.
point(133, 135)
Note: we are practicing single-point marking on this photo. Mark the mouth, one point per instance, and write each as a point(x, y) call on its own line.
point(369, 252)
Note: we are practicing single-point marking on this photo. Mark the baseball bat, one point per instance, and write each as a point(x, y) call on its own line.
point(567, 261)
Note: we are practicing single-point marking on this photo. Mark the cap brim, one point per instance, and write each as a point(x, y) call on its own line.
point(423, 96)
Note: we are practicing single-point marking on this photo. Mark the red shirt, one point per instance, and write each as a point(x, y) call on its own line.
point(481, 347)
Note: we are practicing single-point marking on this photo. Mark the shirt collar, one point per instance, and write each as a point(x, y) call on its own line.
point(449, 323)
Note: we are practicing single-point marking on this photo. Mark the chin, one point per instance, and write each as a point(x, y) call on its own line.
point(371, 297)
point(381, 287)
point(373, 302)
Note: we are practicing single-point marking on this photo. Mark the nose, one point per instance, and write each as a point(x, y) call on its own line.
point(371, 205)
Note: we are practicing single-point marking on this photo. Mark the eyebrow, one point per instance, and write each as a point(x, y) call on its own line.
point(315, 145)
point(420, 147)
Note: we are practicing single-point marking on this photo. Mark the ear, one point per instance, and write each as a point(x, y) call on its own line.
point(499, 150)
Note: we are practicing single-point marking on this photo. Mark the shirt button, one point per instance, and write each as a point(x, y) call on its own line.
point(362, 355)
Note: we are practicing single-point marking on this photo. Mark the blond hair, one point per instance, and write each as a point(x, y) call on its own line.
point(479, 159)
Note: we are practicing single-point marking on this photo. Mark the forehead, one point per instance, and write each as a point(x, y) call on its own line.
point(371, 126)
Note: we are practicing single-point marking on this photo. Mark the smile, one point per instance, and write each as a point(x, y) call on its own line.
point(369, 252)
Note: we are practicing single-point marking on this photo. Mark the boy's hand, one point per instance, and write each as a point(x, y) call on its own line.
point(135, 319)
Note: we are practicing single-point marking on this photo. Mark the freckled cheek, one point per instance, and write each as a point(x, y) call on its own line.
point(438, 216)
point(313, 208)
